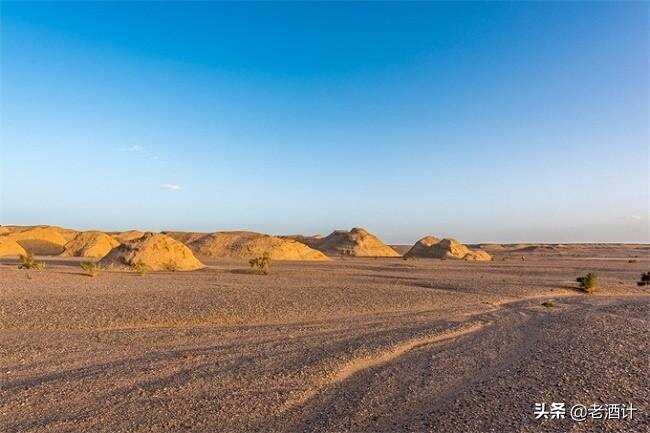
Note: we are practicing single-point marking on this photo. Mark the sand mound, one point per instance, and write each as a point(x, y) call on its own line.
point(91, 244)
point(310, 241)
point(432, 247)
point(4, 230)
point(478, 256)
point(357, 242)
point(247, 245)
point(185, 237)
point(41, 240)
point(155, 251)
point(422, 247)
point(68, 234)
point(123, 237)
point(9, 247)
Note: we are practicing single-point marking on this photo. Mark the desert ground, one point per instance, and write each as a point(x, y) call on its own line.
point(346, 345)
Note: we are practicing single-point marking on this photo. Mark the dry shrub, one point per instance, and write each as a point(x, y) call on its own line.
point(644, 280)
point(261, 264)
point(91, 269)
point(27, 261)
point(588, 283)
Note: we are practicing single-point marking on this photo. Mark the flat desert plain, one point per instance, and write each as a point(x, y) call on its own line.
point(347, 345)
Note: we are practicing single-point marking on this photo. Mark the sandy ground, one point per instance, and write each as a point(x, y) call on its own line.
point(352, 345)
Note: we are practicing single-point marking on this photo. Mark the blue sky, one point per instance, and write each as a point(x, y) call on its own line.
point(482, 121)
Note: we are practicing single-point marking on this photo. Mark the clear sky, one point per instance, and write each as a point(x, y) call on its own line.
point(481, 121)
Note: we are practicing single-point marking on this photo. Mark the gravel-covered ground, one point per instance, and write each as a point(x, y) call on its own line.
point(352, 345)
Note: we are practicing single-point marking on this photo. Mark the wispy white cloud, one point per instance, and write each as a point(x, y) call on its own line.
point(133, 148)
point(171, 187)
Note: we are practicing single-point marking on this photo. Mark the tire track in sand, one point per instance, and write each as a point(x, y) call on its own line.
point(358, 365)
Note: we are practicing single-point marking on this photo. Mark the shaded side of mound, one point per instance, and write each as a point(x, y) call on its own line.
point(401, 249)
point(247, 245)
point(357, 242)
point(540, 247)
point(44, 241)
point(432, 247)
point(157, 252)
point(9, 247)
point(92, 244)
point(185, 237)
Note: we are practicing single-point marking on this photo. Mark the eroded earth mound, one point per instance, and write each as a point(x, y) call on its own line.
point(356, 242)
point(185, 237)
point(92, 244)
point(247, 245)
point(46, 241)
point(432, 247)
point(127, 236)
point(9, 247)
point(156, 252)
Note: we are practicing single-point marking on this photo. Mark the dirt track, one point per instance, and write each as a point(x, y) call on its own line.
point(353, 345)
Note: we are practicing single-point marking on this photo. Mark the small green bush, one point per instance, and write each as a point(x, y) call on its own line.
point(261, 264)
point(91, 269)
point(27, 261)
point(588, 283)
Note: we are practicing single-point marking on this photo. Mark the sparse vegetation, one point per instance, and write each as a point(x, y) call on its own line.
point(140, 268)
point(588, 283)
point(261, 264)
point(91, 269)
point(27, 261)
point(644, 280)
point(548, 304)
